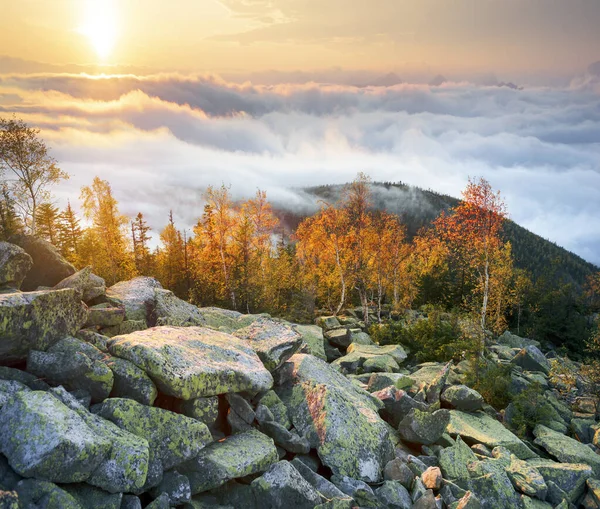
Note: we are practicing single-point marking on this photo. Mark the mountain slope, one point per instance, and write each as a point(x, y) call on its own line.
point(418, 208)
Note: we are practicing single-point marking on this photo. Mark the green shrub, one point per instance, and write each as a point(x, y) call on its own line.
point(528, 409)
point(435, 338)
point(491, 380)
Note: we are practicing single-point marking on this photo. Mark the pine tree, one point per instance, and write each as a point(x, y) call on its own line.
point(171, 259)
point(69, 235)
point(140, 239)
point(48, 227)
point(10, 223)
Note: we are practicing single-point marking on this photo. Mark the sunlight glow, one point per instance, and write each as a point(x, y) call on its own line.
point(100, 25)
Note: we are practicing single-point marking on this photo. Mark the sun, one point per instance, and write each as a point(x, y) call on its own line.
point(100, 26)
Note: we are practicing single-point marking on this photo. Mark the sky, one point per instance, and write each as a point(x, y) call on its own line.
point(164, 98)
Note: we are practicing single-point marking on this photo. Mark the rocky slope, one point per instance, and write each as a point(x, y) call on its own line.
point(128, 397)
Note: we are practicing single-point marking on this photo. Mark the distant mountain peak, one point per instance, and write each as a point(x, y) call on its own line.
point(388, 80)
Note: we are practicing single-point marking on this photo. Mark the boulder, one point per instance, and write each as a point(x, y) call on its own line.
point(31, 381)
point(125, 467)
point(565, 449)
point(137, 297)
point(495, 490)
point(102, 316)
point(326, 488)
point(37, 320)
point(393, 495)
point(462, 397)
point(90, 285)
point(15, 263)
point(49, 267)
point(205, 410)
point(378, 381)
point(273, 402)
point(283, 486)
point(274, 342)
point(380, 364)
point(454, 460)
point(398, 470)
point(131, 382)
point(43, 494)
point(43, 438)
point(422, 427)
point(339, 338)
point(312, 335)
point(527, 479)
point(480, 428)
point(531, 358)
point(394, 351)
point(193, 362)
point(328, 322)
point(397, 405)
point(176, 486)
point(592, 497)
point(432, 478)
point(172, 438)
point(89, 496)
point(339, 419)
point(76, 365)
point(514, 341)
point(236, 456)
point(171, 310)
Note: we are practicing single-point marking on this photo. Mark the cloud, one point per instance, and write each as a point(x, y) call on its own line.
point(161, 139)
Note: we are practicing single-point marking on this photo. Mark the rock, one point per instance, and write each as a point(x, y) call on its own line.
point(283, 486)
point(360, 338)
point(312, 335)
point(426, 501)
point(565, 449)
point(90, 285)
point(102, 316)
point(15, 263)
point(515, 341)
point(469, 501)
point(397, 470)
point(171, 310)
point(380, 364)
point(323, 486)
point(481, 428)
point(432, 478)
point(274, 342)
point(231, 458)
point(592, 497)
point(173, 438)
point(328, 322)
point(131, 502)
point(273, 402)
point(41, 437)
point(339, 420)
point(526, 478)
point(433, 389)
point(205, 410)
point(393, 495)
point(74, 364)
point(193, 362)
point(43, 494)
point(89, 496)
point(338, 337)
point(131, 382)
point(454, 460)
point(581, 429)
point(379, 381)
point(585, 405)
point(423, 427)
point(8, 477)
point(37, 320)
point(394, 351)
point(137, 296)
point(462, 397)
point(569, 477)
point(125, 467)
point(31, 381)
point(397, 405)
point(176, 486)
point(532, 359)
point(494, 489)
point(49, 267)
point(161, 502)
point(285, 439)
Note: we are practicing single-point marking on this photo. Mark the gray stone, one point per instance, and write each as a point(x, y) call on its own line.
point(49, 267)
point(93, 498)
point(312, 335)
point(393, 495)
point(532, 359)
point(102, 316)
point(37, 320)
point(236, 456)
point(90, 285)
point(131, 382)
point(43, 438)
point(423, 427)
point(205, 410)
point(193, 362)
point(322, 485)
point(15, 263)
point(454, 460)
point(569, 477)
point(397, 405)
point(176, 486)
point(283, 486)
point(44, 495)
point(462, 397)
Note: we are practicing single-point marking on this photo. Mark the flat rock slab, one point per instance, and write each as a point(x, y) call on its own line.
point(481, 428)
point(312, 335)
point(395, 351)
point(566, 449)
point(340, 420)
point(569, 477)
point(193, 362)
point(37, 320)
point(236, 456)
point(274, 342)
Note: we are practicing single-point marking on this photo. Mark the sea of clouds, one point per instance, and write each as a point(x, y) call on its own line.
point(160, 140)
